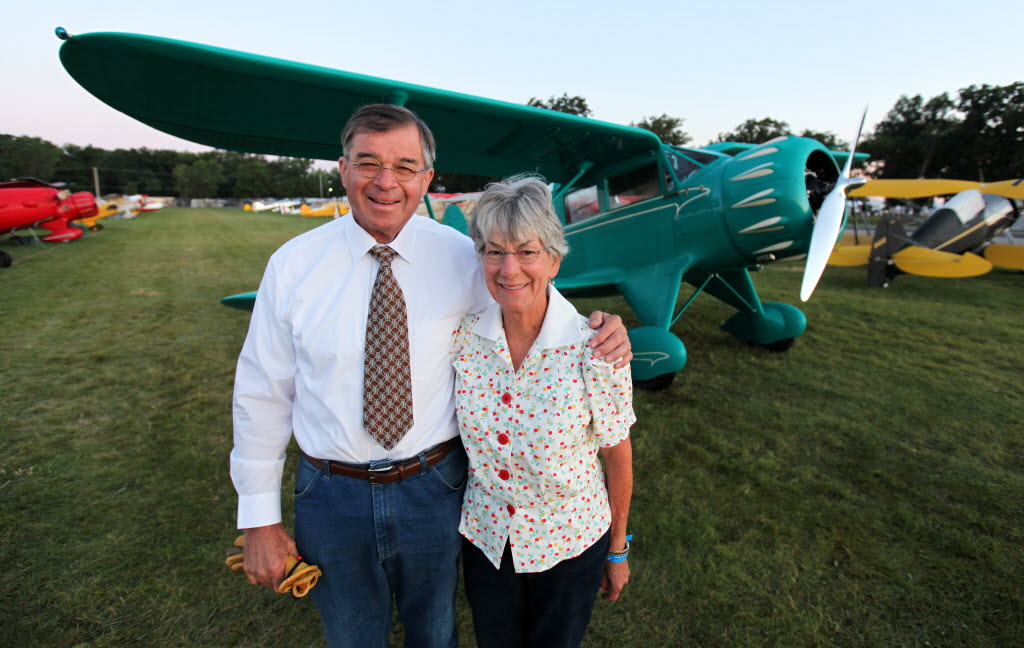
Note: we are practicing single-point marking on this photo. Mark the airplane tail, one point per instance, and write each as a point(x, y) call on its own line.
point(890, 238)
point(454, 217)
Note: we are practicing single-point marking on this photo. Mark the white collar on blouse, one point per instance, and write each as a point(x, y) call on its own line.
point(561, 325)
point(360, 241)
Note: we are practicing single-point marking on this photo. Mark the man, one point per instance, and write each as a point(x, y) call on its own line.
point(348, 348)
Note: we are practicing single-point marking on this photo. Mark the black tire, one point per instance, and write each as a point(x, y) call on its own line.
point(657, 383)
point(781, 345)
point(5, 260)
point(97, 227)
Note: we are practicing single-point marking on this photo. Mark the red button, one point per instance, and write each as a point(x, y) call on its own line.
point(504, 474)
point(502, 438)
point(506, 398)
point(511, 510)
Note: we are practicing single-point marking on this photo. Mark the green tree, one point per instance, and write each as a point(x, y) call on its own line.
point(199, 179)
point(575, 105)
point(252, 179)
point(756, 131)
point(989, 141)
point(914, 140)
point(290, 177)
point(327, 181)
point(28, 157)
point(668, 129)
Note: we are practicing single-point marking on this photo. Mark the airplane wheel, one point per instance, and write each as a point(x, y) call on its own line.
point(657, 383)
point(781, 345)
point(96, 228)
point(21, 240)
point(5, 259)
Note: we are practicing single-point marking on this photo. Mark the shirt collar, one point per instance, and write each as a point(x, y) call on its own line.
point(560, 328)
point(360, 241)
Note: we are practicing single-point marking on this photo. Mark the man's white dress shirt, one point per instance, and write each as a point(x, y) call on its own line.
point(301, 367)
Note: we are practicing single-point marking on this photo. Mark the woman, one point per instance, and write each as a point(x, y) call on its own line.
point(542, 531)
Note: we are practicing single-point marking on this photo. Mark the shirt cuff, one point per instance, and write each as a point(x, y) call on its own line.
point(258, 510)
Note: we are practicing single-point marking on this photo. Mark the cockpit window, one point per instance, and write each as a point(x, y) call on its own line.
point(682, 166)
point(581, 204)
point(633, 185)
point(700, 157)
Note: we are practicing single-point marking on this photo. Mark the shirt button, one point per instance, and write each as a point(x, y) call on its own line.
point(504, 475)
point(511, 510)
point(506, 398)
point(502, 438)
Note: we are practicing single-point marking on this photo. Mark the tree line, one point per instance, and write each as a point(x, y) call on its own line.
point(159, 172)
point(976, 133)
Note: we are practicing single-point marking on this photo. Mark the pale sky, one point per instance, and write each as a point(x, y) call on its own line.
point(715, 64)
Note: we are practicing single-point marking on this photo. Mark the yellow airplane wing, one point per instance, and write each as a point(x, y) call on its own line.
point(1005, 188)
point(850, 255)
point(932, 263)
point(911, 188)
point(1005, 255)
point(922, 188)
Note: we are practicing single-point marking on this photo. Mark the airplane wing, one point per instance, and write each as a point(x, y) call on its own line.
point(933, 263)
point(204, 94)
point(924, 188)
point(1005, 255)
point(910, 188)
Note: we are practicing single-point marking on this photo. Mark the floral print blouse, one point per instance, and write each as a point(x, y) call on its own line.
point(533, 436)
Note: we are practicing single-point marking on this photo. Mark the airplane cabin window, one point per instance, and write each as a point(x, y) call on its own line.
point(581, 204)
point(682, 166)
point(634, 185)
point(700, 157)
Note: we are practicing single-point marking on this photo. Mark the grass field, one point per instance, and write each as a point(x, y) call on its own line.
point(862, 489)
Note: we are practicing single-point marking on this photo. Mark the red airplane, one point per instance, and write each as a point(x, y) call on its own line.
point(28, 203)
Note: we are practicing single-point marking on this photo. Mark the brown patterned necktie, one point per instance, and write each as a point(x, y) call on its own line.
point(387, 385)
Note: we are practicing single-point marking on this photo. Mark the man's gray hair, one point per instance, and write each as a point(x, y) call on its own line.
point(380, 118)
point(516, 209)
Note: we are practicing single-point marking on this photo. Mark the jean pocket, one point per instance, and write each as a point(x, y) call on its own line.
point(451, 471)
point(306, 478)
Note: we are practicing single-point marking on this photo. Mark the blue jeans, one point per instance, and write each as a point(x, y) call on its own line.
point(378, 542)
point(548, 609)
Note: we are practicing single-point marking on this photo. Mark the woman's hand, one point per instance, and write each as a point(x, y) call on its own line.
point(615, 577)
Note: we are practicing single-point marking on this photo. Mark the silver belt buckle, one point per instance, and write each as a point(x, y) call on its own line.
point(379, 466)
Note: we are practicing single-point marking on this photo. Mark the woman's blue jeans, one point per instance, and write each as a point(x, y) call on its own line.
point(381, 542)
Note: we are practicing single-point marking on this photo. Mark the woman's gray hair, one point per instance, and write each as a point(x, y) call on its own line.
point(516, 209)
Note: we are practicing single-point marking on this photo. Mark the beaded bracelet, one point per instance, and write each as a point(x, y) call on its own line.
point(620, 556)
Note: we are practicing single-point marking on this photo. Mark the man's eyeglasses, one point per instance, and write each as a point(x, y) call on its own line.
point(496, 255)
point(373, 168)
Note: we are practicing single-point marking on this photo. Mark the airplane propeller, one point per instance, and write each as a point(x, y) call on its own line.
point(829, 222)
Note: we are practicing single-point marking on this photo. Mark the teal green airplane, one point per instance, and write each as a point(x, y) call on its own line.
point(641, 217)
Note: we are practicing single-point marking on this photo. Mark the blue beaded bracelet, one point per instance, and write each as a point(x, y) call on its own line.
point(619, 556)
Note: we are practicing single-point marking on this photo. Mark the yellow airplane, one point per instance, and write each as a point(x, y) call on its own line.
point(334, 208)
point(953, 241)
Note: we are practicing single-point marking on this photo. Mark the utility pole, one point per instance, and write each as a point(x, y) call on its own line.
point(96, 181)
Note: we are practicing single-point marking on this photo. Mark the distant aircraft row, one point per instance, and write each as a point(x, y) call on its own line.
point(30, 204)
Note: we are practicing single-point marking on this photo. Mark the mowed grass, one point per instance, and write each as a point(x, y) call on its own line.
point(862, 489)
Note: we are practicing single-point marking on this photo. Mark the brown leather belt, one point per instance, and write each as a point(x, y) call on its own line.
point(390, 472)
